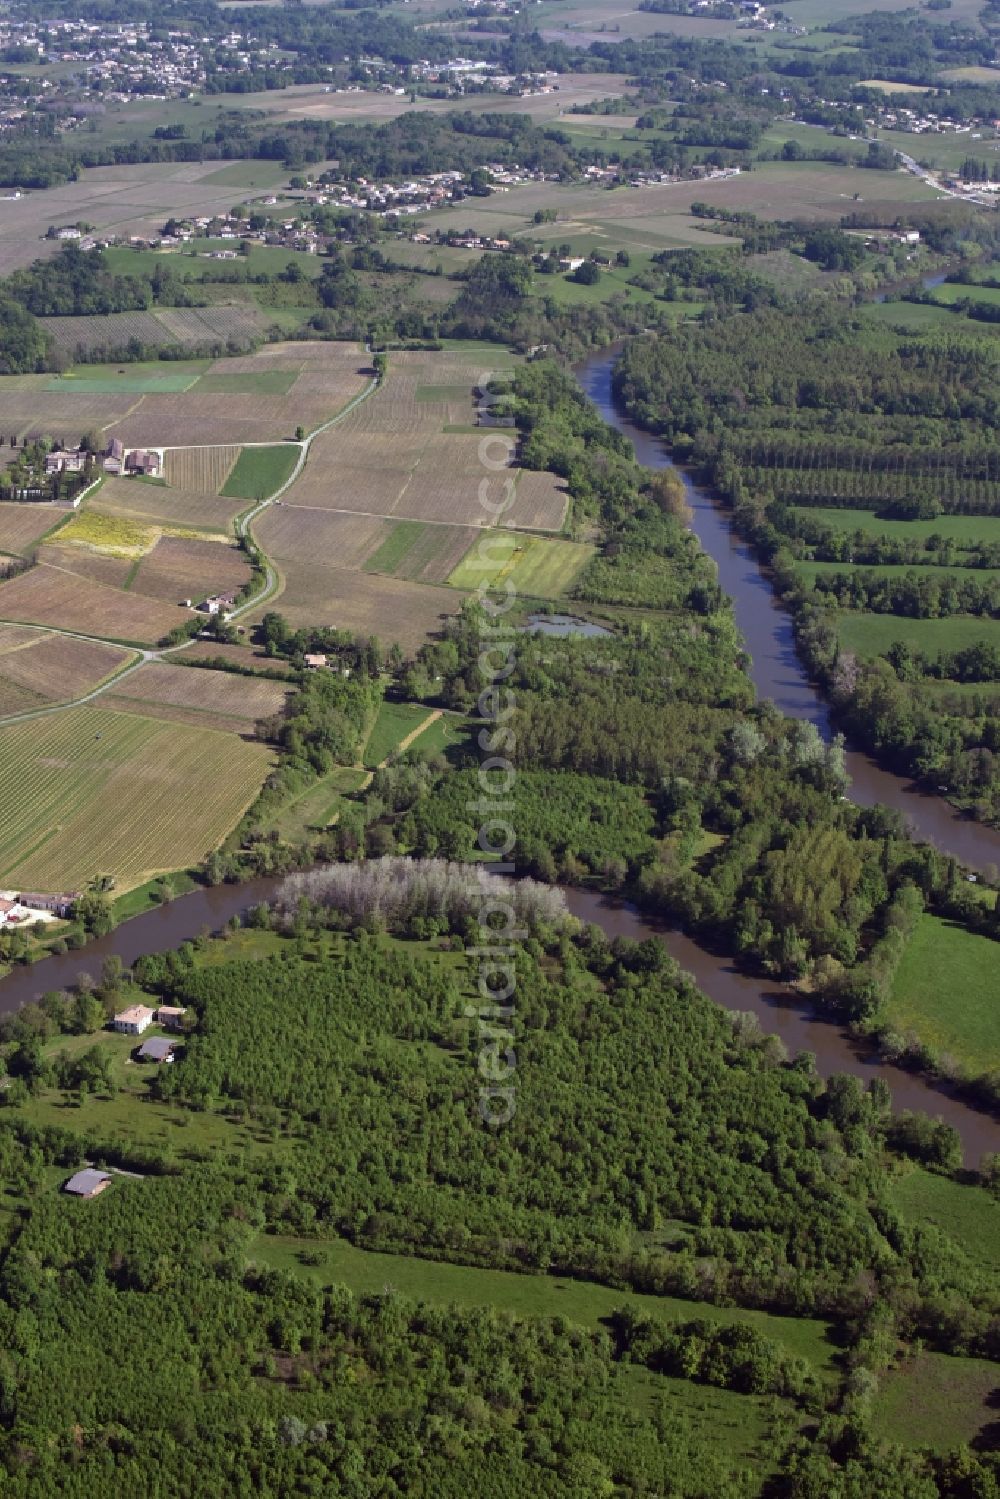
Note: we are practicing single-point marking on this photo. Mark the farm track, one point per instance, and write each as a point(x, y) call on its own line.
point(242, 524)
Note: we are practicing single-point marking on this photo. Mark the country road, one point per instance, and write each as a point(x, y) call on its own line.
point(242, 525)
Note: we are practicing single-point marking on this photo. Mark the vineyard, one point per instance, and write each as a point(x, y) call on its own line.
point(20, 525)
point(198, 696)
point(57, 669)
point(179, 568)
point(159, 504)
point(90, 792)
point(47, 596)
point(204, 469)
point(83, 338)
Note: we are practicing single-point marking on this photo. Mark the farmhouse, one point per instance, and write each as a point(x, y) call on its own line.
point(172, 1016)
point(59, 905)
point(140, 461)
point(114, 456)
point(88, 1183)
point(218, 603)
point(65, 461)
point(314, 660)
point(157, 1049)
point(134, 1020)
point(8, 911)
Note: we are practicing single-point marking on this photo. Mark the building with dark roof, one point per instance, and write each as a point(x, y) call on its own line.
point(88, 1183)
point(157, 1049)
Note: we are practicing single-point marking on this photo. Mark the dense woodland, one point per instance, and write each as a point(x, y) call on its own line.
point(788, 411)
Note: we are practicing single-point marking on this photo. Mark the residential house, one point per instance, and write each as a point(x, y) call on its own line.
point(314, 660)
point(7, 908)
point(59, 905)
point(114, 456)
point(88, 1183)
point(141, 461)
point(65, 461)
point(134, 1020)
point(172, 1016)
point(218, 603)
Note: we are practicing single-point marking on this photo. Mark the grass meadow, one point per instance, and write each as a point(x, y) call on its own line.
point(936, 1401)
point(524, 1295)
point(967, 1214)
point(873, 634)
point(395, 723)
point(947, 989)
point(965, 530)
point(258, 472)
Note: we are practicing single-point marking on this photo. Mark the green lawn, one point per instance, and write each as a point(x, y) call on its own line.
point(394, 722)
point(527, 1295)
point(534, 566)
point(969, 1215)
point(965, 530)
point(440, 736)
point(258, 472)
point(947, 989)
point(936, 1401)
point(873, 634)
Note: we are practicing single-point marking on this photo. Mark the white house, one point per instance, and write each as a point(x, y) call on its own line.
point(134, 1020)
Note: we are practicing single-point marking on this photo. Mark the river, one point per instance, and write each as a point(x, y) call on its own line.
point(779, 676)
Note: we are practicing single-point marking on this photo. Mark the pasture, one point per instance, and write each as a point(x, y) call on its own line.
point(947, 990)
point(873, 634)
point(48, 596)
point(966, 531)
point(933, 1400)
point(90, 792)
point(198, 696)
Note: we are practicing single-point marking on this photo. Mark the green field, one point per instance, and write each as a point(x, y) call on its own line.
point(88, 792)
point(951, 293)
point(531, 564)
point(525, 1295)
point(394, 723)
point(263, 383)
point(947, 989)
point(808, 572)
point(873, 634)
point(258, 472)
point(134, 381)
point(967, 530)
point(916, 317)
point(969, 1215)
point(403, 537)
point(937, 1401)
point(318, 806)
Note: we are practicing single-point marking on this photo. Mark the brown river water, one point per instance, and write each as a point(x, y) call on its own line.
point(778, 675)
